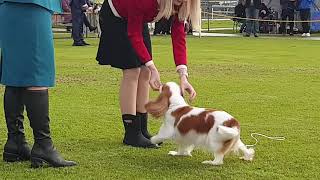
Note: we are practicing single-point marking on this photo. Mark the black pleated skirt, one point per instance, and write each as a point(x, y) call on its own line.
point(115, 48)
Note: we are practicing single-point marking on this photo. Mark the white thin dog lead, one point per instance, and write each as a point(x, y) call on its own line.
point(258, 134)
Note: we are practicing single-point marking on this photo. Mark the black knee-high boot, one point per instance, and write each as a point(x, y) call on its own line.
point(133, 135)
point(144, 124)
point(16, 147)
point(43, 151)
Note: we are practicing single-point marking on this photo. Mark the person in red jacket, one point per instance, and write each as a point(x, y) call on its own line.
point(125, 44)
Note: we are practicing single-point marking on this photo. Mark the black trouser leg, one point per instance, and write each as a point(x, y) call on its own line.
point(305, 16)
point(16, 147)
point(156, 28)
point(162, 25)
point(77, 24)
point(43, 151)
point(291, 18)
point(283, 26)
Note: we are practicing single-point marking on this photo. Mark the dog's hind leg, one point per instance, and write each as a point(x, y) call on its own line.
point(183, 150)
point(165, 132)
point(218, 159)
point(248, 153)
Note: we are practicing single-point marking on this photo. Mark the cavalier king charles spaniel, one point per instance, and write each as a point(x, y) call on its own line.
point(191, 127)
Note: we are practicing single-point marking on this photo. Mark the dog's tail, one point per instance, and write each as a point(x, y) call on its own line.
point(227, 133)
point(229, 129)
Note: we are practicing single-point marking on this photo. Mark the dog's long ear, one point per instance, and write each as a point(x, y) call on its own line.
point(158, 107)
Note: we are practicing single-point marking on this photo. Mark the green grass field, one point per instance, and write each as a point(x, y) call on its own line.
point(216, 24)
point(270, 85)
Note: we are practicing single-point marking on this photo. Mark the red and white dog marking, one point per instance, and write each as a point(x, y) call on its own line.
point(192, 127)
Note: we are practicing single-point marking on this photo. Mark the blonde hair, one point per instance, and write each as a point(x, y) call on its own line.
point(190, 9)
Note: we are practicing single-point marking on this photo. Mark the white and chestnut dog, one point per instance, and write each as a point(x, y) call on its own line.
point(192, 127)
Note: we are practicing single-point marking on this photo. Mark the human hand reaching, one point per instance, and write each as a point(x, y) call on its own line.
point(154, 82)
point(186, 86)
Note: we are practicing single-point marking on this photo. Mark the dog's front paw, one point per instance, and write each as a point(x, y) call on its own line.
point(153, 140)
point(173, 153)
point(214, 163)
point(248, 156)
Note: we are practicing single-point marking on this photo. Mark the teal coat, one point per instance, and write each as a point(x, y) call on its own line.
point(52, 5)
point(26, 42)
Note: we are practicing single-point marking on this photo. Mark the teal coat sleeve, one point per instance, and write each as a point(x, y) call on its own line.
point(52, 5)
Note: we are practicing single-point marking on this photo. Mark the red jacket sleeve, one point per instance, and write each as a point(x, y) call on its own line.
point(178, 37)
point(135, 30)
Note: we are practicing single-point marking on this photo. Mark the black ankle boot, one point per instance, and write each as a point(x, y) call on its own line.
point(16, 147)
point(133, 135)
point(144, 124)
point(43, 151)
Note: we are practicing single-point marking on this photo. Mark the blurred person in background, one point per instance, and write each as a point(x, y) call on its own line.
point(287, 12)
point(304, 7)
point(252, 12)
